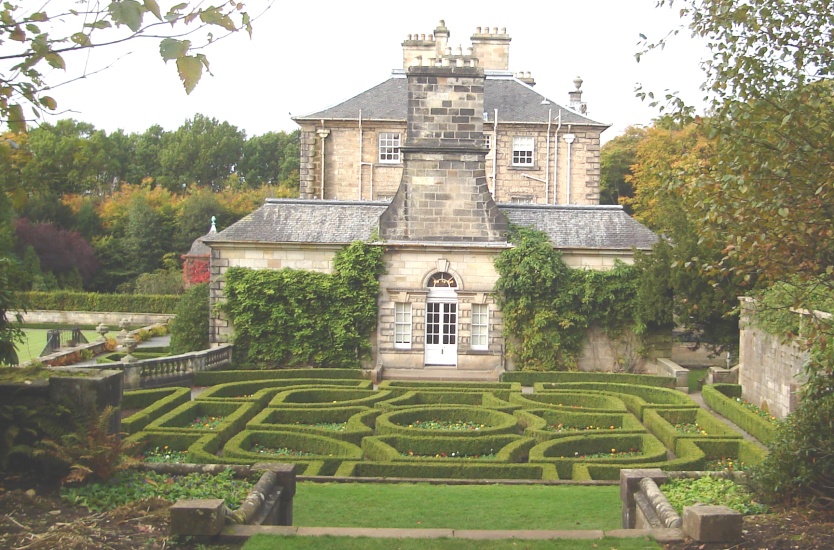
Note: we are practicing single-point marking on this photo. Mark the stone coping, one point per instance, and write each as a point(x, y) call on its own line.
point(240, 533)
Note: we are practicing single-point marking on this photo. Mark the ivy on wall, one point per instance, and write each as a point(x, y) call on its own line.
point(292, 318)
point(548, 307)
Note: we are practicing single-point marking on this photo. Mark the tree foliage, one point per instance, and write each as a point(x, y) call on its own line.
point(190, 327)
point(547, 307)
point(290, 318)
point(615, 160)
point(41, 39)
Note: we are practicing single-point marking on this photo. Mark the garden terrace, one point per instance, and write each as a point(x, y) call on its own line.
point(342, 427)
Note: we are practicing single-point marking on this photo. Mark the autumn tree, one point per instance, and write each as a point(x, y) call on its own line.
point(41, 39)
point(768, 200)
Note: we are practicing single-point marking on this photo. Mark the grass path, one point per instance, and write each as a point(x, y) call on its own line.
point(265, 542)
point(427, 506)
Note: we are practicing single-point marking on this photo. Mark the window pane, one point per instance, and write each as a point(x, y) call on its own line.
point(523, 150)
point(480, 326)
point(389, 147)
point(402, 325)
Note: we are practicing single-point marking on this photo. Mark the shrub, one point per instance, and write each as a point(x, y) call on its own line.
point(190, 327)
point(722, 398)
point(154, 403)
point(93, 301)
point(800, 465)
point(210, 378)
point(530, 378)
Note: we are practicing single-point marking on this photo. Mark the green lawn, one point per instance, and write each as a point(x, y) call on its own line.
point(456, 506)
point(36, 340)
point(265, 542)
point(695, 377)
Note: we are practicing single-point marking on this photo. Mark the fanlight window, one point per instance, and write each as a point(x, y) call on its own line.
point(442, 280)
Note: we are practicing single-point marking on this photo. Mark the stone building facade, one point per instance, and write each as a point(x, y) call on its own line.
point(441, 224)
point(537, 151)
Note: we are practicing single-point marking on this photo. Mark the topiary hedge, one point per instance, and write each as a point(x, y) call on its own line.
point(232, 418)
point(530, 378)
point(246, 391)
point(346, 423)
point(425, 470)
point(211, 378)
point(474, 421)
point(476, 450)
point(567, 451)
point(725, 399)
point(587, 401)
point(477, 399)
point(295, 446)
point(636, 398)
point(500, 389)
point(154, 404)
point(663, 424)
point(63, 300)
point(546, 424)
point(328, 397)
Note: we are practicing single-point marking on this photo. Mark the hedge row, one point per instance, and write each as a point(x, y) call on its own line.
point(212, 378)
point(471, 450)
point(544, 424)
point(327, 397)
point(63, 300)
point(154, 403)
point(662, 424)
point(530, 378)
point(233, 417)
point(722, 399)
point(499, 389)
point(636, 398)
point(427, 470)
point(477, 399)
point(586, 401)
point(245, 391)
point(294, 446)
point(567, 451)
point(358, 421)
point(484, 421)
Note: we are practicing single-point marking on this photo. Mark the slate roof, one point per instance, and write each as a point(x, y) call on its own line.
point(341, 222)
point(515, 101)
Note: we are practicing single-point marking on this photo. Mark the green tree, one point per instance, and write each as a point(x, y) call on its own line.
point(202, 151)
point(271, 159)
point(10, 331)
point(146, 148)
point(144, 242)
point(194, 217)
point(190, 327)
point(37, 40)
point(615, 161)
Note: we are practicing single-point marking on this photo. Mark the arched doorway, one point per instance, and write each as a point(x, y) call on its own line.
point(442, 320)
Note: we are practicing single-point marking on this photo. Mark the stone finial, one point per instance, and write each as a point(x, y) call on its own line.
point(102, 329)
point(213, 225)
point(578, 82)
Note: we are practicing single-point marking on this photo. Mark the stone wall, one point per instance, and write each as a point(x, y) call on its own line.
point(93, 318)
point(770, 370)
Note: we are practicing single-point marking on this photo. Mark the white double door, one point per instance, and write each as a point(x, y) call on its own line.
point(441, 332)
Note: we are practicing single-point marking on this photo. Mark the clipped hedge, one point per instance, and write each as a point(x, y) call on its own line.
point(426, 470)
point(542, 425)
point(328, 397)
point(247, 391)
point(235, 416)
point(662, 424)
point(530, 378)
point(63, 300)
point(590, 401)
point(722, 399)
point(331, 452)
point(145, 441)
point(477, 399)
point(567, 451)
point(393, 448)
point(499, 389)
point(636, 398)
point(491, 422)
point(746, 452)
point(358, 421)
point(212, 378)
point(154, 403)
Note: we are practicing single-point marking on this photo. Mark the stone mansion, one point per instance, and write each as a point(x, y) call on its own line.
point(434, 164)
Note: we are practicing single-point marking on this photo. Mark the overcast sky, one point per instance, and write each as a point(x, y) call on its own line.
point(305, 56)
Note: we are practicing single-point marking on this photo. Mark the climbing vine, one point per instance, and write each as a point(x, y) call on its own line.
point(289, 318)
point(548, 307)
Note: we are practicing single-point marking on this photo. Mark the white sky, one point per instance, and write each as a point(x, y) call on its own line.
point(305, 56)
